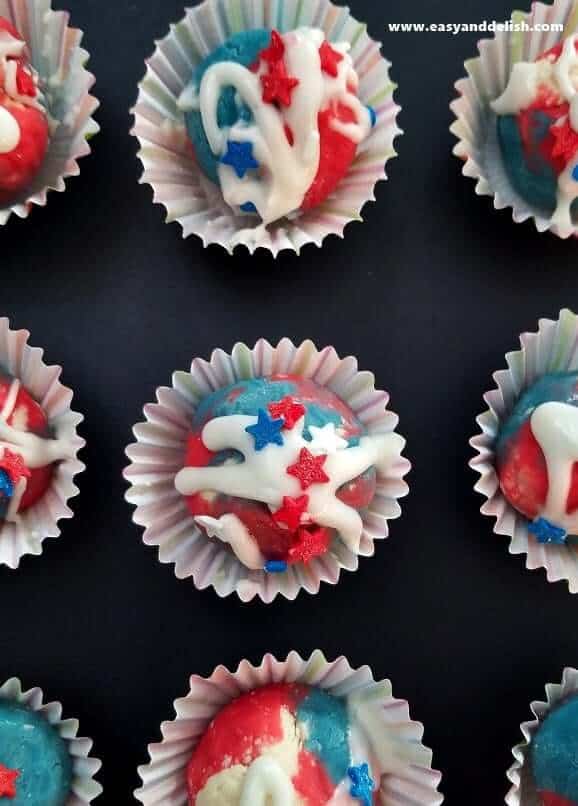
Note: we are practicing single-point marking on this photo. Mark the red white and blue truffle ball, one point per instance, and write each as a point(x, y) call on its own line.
point(284, 744)
point(277, 468)
point(553, 754)
point(23, 120)
point(275, 119)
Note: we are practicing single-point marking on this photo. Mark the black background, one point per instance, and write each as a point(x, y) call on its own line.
point(429, 293)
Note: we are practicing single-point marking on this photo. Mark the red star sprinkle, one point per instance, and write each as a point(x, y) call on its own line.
point(309, 469)
point(565, 141)
point(8, 782)
point(24, 82)
point(277, 85)
point(275, 51)
point(292, 511)
point(14, 465)
point(310, 543)
point(329, 59)
point(287, 408)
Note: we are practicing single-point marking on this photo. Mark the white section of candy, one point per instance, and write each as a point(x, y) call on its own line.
point(267, 784)
point(263, 475)
point(12, 49)
point(231, 529)
point(286, 171)
point(555, 427)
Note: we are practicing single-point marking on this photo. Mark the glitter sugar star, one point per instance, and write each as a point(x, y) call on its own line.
point(546, 532)
point(277, 85)
point(266, 431)
point(8, 782)
point(276, 49)
point(565, 140)
point(361, 784)
point(14, 465)
point(292, 511)
point(239, 156)
point(330, 59)
point(309, 469)
point(310, 543)
point(289, 409)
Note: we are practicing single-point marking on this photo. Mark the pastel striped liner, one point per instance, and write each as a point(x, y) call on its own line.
point(475, 123)
point(43, 382)
point(165, 151)
point(553, 348)
point(158, 455)
point(84, 786)
point(55, 52)
point(523, 790)
point(164, 776)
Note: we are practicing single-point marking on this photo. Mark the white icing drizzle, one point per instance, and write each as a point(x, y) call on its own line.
point(263, 475)
point(555, 427)
point(231, 529)
point(10, 402)
point(267, 784)
point(12, 49)
point(286, 171)
point(523, 86)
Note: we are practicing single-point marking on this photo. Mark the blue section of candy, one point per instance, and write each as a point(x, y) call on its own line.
point(29, 744)
point(559, 386)
point(242, 48)
point(327, 730)
point(554, 751)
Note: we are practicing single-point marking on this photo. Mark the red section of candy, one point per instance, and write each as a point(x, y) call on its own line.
point(312, 782)
point(551, 799)
point(523, 474)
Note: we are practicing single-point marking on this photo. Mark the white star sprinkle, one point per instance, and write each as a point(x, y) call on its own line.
point(326, 440)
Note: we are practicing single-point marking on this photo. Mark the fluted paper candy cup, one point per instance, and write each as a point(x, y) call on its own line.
point(523, 791)
point(19, 359)
point(166, 153)
point(552, 349)
point(475, 124)
point(159, 452)
point(84, 787)
point(407, 775)
point(56, 54)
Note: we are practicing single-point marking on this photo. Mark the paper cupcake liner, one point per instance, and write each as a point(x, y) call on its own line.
point(554, 348)
point(475, 124)
point(523, 790)
point(166, 154)
point(158, 455)
point(84, 788)
point(60, 61)
point(414, 783)
point(42, 381)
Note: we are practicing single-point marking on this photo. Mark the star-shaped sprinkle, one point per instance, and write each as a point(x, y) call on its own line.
point(275, 566)
point(565, 141)
point(24, 82)
point(312, 542)
point(266, 431)
point(546, 532)
point(8, 782)
point(248, 207)
point(361, 784)
point(575, 173)
point(276, 49)
point(239, 156)
point(14, 465)
point(292, 511)
point(372, 116)
point(287, 408)
point(277, 85)
point(309, 469)
point(6, 486)
point(330, 59)
point(326, 440)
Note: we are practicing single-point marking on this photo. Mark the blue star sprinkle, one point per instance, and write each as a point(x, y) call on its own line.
point(361, 784)
point(575, 173)
point(248, 207)
point(275, 566)
point(6, 485)
point(240, 157)
point(266, 431)
point(546, 532)
point(372, 116)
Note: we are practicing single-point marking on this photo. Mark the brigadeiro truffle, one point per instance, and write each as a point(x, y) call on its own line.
point(288, 469)
point(291, 733)
point(517, 118)
point(274, 116)
point(528, 449)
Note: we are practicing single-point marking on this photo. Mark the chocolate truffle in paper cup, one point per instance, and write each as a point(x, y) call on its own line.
point(42, 760)
point(267, 470)
point(544, 772)
point(527, 453)
point(296, 732)
point(38, 448)
point(517, 118)
point(45, 104)
point(265, 124)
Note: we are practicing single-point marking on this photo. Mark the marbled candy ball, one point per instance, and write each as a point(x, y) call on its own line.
point(554, 752)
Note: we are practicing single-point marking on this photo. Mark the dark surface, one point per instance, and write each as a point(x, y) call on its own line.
point(429, 293)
